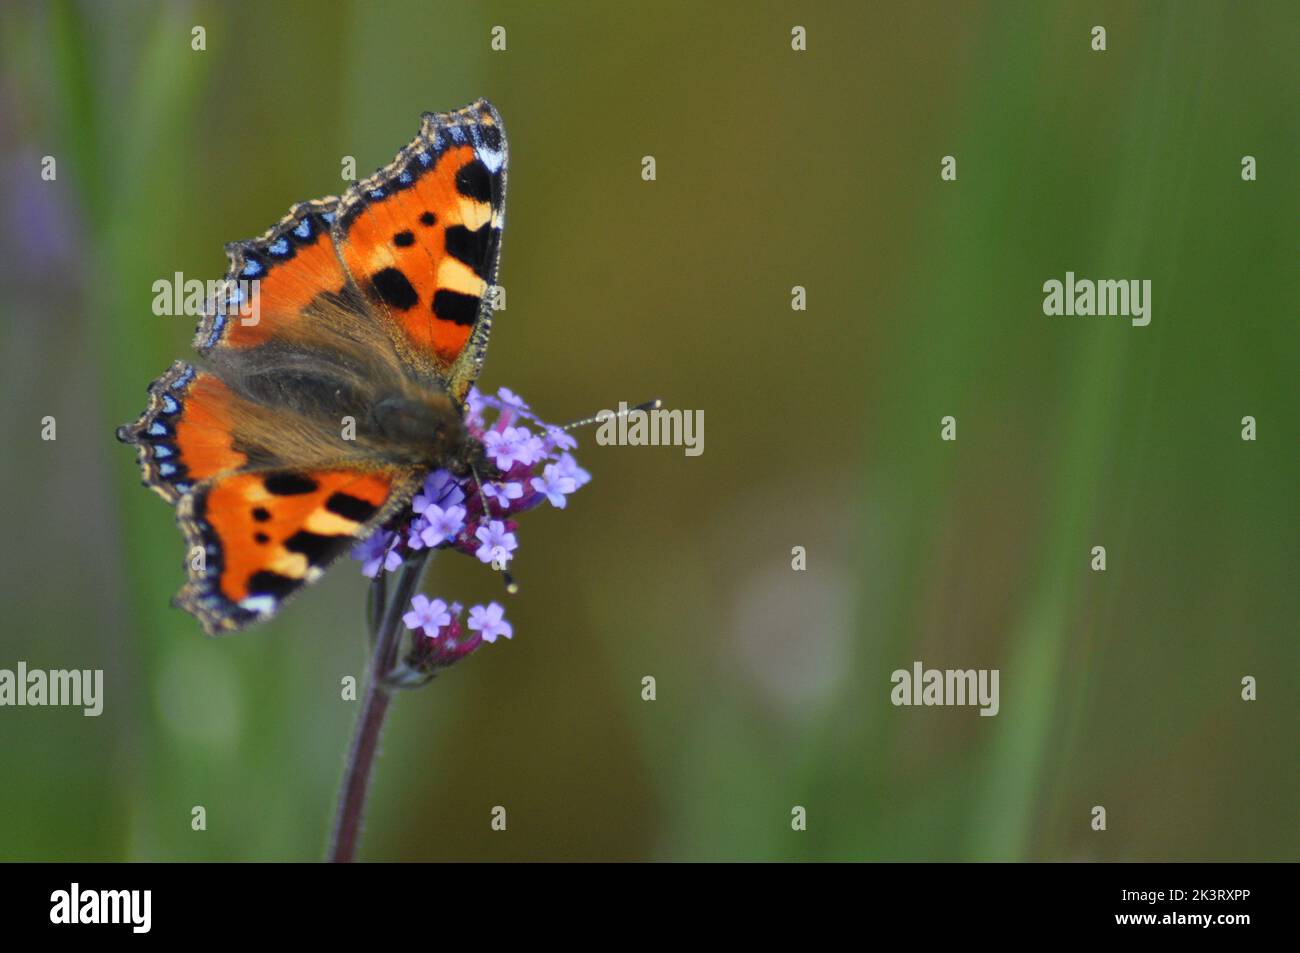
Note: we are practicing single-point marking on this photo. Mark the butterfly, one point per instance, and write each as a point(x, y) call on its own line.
point(310, 420)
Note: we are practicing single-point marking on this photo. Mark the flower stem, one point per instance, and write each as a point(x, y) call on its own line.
point(374, 709)
point(356, 779)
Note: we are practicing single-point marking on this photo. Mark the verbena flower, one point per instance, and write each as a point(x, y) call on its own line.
point(510, 399)
point(553, 485)
point(513, 445)
point(489, 622)
point(415, 533)
point(496, 543)
point(377, 553)
point(568, 466)
point(448, 643)
point(442, 524)
point(426, 615)
point(534, 465)
point(440, 489)
point(503, 493)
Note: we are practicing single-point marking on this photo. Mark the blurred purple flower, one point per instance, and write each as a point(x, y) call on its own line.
point(490, 622)
point(512, 445)
point(567, 466)
point(427, 616)
point(503, 493)
point(36, 211)
point(498, 544)
point(376, 553)
point(554, 485)
point(560, 438)
point(511, 400)
point(443, 524)
point(440, 489)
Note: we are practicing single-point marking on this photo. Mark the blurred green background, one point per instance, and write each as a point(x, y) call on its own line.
point(775, 168)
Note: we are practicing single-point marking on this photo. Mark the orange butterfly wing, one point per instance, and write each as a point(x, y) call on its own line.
point(422, 239)
point(267, 534)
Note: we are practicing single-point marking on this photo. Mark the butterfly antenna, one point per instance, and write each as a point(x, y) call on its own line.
point(606, 415)
point(481, 495)
point(511, 586)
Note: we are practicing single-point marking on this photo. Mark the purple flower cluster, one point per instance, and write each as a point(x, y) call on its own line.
point(449, 512)
point(439, 639)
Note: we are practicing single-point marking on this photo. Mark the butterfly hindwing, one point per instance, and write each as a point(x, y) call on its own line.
point(258, 523)
point(265, 534)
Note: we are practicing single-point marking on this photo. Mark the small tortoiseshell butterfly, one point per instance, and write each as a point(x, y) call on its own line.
point(373, 307)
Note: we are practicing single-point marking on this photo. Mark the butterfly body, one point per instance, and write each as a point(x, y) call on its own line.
point(309, 421)
point(342, 391)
